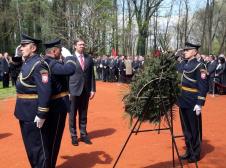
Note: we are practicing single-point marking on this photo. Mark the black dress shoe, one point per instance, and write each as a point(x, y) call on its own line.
point(193, 159)
point(74, 141)
point(85, 139)
point(185, 156)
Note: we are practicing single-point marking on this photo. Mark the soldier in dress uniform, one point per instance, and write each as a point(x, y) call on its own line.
point(59, 104)
point(194, 87)
point(32, 104)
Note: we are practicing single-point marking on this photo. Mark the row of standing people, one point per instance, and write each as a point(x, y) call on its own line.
point(118, 68)
point(9, 69)
point(216, 73)
point(43, 99)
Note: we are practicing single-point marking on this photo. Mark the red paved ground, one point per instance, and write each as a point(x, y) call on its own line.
point(109, 127)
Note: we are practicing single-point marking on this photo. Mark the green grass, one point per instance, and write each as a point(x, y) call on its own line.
point(7, 92)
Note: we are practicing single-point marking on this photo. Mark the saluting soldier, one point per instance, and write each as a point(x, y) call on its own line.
point(59, 104)
point(194, 87)
point(32, 104)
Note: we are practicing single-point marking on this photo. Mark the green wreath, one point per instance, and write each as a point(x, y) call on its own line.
point(144, 100)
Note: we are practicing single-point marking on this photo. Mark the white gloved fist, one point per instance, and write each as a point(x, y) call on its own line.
point(197, 109)
point(39, 121)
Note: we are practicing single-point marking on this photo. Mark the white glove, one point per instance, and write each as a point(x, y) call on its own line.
point(197, 109)
point(39, 121)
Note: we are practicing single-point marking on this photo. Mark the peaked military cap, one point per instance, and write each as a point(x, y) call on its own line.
point(53, 43)
point(189, 46)
point(25, 39)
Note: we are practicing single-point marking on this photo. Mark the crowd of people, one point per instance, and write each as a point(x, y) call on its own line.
point(9, 69)
point(43, 85)
point(216, 71)
point(117, 68)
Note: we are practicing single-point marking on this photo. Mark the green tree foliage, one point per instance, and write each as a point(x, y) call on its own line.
point(48, 19)
point(144, 10)
point(147, 104)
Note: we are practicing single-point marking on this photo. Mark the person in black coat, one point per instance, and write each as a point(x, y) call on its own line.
point(220, 74)
point(105, 68)
point(82, 88)
point(98, 68)
point(122, 69)
point(1, 66)
point(136, 64)
point(112, 67)
point(5, 70)
point(211, 67)
point(15, 66)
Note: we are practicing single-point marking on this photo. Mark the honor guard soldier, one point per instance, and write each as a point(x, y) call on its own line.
point(59, 104)
point(194, 87)
point(33, 88)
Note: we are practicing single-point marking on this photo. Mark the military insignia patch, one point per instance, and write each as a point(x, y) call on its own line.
point(45, 77)
point(203, 74)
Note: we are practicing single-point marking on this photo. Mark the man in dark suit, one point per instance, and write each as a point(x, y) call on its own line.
point(82, 87)
point(5, 67)
point(105, 64)
point(211, 67)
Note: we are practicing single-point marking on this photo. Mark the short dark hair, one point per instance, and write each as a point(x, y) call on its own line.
point(77, 40)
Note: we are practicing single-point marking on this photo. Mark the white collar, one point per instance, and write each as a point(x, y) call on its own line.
point(78, 55)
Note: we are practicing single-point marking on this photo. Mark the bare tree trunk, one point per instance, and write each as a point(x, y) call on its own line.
point(222, 46)
point(144, 10)
point(218, 20)
point(129, 43)
point(204, 28)
point(210, 24)
point(123, 27)
point(18, 16)
point(155, 29)
point(178, 27)
point(186, 22)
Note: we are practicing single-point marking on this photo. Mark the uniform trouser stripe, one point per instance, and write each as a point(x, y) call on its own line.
point(54, 141)
point(35, 142)
point(43, 148)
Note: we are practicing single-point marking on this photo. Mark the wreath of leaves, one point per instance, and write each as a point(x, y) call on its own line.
point(144, 100)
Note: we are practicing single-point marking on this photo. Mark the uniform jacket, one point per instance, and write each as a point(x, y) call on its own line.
point(59, 83)
point(194, 83)
point(33, 89)
point(82, 79)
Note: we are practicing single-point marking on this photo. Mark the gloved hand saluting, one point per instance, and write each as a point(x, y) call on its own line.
point(197, 109)
point(39, 121)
